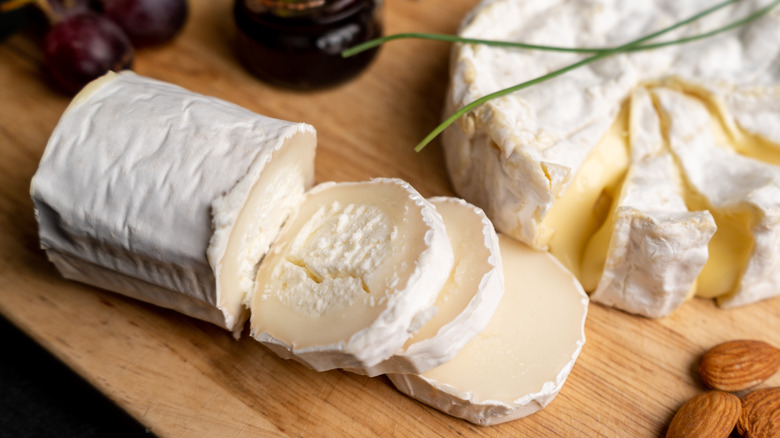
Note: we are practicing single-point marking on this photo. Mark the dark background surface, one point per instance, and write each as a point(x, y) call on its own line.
point(41, 397)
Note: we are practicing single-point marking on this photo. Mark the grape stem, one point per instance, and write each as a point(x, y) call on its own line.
point(596, 54)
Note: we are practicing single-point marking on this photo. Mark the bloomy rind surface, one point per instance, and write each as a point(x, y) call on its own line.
point(131, 178)
point(657, 246)
point(517, 156)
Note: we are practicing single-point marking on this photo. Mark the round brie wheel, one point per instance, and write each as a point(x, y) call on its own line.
point(468, 299)
point(568, 165)
point(353, 274)
point(520, 361)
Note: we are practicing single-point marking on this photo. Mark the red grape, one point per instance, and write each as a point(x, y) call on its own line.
point(147, 22)
point(82, 47)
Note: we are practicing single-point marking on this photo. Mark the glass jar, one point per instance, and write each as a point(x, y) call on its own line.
point(298, 43)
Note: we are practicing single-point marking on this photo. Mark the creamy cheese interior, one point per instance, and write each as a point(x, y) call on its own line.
point(272, 199)
point(534, 335)
point(700, 143)
point(329, 274)
point(583, 207)
point(648, 253)
point(553, 170)
point(580, 223)
point(473, 260)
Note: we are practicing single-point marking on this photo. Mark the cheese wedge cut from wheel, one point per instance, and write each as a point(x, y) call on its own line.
point(355, 272)
point(744, 263)
point(548, 163)
point(468, 299)
point(647, 255)
point(520, 361)
point(168, 196)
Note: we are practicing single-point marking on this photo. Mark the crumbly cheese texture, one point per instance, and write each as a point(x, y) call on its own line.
point(354, 273)
point(468, 299)
point(150, 190)
point(552, 164)
point(520, 361)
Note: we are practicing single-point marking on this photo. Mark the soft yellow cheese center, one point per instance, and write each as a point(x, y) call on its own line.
point(582, 208)
point(579, 226)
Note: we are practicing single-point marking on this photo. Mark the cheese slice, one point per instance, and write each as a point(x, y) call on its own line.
point(520, 361)
point(168, 196)
point(468, 299)
point(647, 255)
point(549, 164)
point(354, 273)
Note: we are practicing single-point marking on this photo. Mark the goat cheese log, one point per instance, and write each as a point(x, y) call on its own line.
point(168, 196)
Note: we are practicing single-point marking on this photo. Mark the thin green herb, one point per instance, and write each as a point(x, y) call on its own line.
point(368, 45)
point(597, 54)
point(601, 55)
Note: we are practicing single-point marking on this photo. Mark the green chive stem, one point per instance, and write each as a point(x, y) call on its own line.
point(731, 26)
point(352, 51)
point(456, 39)
point(598, 56)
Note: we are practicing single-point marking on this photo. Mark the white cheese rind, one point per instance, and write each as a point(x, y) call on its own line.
point(520, 361)
point(141, 182)
point(657, 246)
point(711, 171)
point(468, 299)
point(353, 274)
point(517, 156)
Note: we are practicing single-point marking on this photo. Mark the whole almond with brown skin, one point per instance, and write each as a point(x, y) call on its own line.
point(711, 414)
point(760, 414)
point(738, 365)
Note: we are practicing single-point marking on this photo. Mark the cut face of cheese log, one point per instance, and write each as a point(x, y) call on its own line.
point(520, 361)
point(168, 196)
point(354, 273)
point(553, 164)
point(468, 299)
point(647, 255)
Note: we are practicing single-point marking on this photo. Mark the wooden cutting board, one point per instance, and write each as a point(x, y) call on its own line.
point(182, 377)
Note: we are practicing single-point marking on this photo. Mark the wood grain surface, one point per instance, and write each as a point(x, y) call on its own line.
point(182, 377)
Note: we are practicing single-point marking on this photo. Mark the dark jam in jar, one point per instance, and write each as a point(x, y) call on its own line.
point(298, 43)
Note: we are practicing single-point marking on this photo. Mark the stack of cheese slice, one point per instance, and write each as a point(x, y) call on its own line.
point(194, 204)
point(468, 299)
point(354, 271)
point(650, 175)
point(520, 361)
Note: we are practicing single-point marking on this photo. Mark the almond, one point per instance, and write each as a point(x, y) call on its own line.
point(738, 365)
point(710, 414)
point(760, 414)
